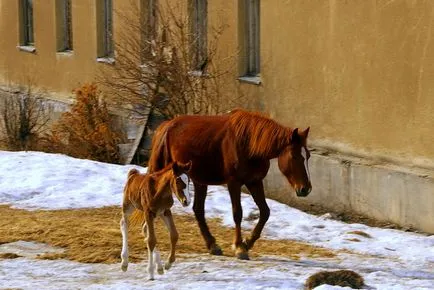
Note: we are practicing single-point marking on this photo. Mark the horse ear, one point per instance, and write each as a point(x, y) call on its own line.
point(305, 133)
point(176, 169)
point(188, 165)
point(295, 137)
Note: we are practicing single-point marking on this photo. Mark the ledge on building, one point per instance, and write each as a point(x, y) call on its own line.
point(27, 48)
point(255, 80)
point(198, 73)
point(107, 60)
point(65, 53)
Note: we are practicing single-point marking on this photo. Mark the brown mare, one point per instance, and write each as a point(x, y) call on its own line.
point(152, 194)
point(233, 149)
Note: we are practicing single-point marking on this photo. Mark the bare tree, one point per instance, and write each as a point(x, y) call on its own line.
point(24, 118)
point(156, 64)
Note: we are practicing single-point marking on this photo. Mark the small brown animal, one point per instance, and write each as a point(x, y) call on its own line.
point(152, 194)
point(344, 278)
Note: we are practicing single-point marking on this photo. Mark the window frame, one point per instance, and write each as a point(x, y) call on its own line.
point(27, 33)
point(105, 49)
point(199, 34)
point(250, 62)
point(65, 42)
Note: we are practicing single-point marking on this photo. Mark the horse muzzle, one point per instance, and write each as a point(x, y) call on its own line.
point(185, 202)
point(303, 191)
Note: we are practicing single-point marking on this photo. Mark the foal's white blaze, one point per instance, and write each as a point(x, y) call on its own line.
point(306, 166)
point(186, 190)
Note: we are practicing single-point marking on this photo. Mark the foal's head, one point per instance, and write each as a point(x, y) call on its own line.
point(179, 183)
point(293, 163)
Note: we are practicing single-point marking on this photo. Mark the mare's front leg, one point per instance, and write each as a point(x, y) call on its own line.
point(241, 250)
point(257, 191)
point(199, 212)
point(173, 233)
point(127, 209)
point(151, 242)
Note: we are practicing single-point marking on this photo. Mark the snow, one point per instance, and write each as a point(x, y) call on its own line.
point(388, 259)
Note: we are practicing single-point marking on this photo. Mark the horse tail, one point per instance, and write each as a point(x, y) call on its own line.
point(160, 153)
point(132, 172)
point(137, 217)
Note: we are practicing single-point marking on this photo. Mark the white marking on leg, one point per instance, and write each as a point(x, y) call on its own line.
point(306, 165)
point(124, 252)
point(186, 190)
point(157, 260)
point(151, 266)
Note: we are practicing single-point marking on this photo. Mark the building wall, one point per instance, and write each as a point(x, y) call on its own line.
point(359, 72)
point(57, 72)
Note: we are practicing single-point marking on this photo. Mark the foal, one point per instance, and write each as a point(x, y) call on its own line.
point(152, 194)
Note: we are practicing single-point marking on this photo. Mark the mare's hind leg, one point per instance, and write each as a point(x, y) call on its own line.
point(173, 233)
point(199, 212)
point(127, 209)
point(257, 191)
point(237, 211)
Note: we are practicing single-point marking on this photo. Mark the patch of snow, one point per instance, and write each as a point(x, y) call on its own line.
point(388, 259)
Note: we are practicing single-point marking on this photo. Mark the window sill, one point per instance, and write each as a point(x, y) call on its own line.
point(107, 60)
point(27, 48)
point(65, 53)
point(255, 80)
point(198, 73)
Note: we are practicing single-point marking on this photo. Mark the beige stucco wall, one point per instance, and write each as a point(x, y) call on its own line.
point(358, 72)
point(57, 72)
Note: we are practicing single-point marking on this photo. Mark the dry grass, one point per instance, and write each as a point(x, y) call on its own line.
point(93, 235)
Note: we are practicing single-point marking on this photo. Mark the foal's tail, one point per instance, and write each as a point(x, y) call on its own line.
point(132, 172)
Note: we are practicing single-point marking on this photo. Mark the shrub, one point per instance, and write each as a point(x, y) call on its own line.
point(86, 130)
point(24, 116)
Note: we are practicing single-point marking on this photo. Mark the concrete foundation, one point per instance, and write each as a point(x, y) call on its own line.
point(404, 196)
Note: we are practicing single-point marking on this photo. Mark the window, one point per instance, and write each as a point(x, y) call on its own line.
point(198, 24)
point(105, 28)
point(64, 25)
point(251, 38)
point(26, 20)
point(149, 21)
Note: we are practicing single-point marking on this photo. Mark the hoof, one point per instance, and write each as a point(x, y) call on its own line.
point(160, 270)
point(124, 267)
point(167, 266)
point(242, 254)
point(151, 279)
point(215, 250)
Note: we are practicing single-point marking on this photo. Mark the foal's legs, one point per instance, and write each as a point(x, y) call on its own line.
point(173, 233)
point(199, 211)
point(237, 211)
point(127, 209)
point(257, 191)
point(152, 241)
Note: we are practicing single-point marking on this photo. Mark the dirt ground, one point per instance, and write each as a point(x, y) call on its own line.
point(93, 235)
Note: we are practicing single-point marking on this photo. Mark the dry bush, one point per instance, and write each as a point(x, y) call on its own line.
point(157, 66)
point(86, 130)
point(24, 118)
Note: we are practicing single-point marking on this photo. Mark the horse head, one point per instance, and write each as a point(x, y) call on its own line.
point(293, 162)
point(180, 182)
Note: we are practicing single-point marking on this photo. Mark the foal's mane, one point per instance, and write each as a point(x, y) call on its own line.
point(163, 176)
point(258, 134)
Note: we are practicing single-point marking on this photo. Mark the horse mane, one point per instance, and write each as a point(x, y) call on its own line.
point(258, 134)
point(163, 177)
point(159, 151)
